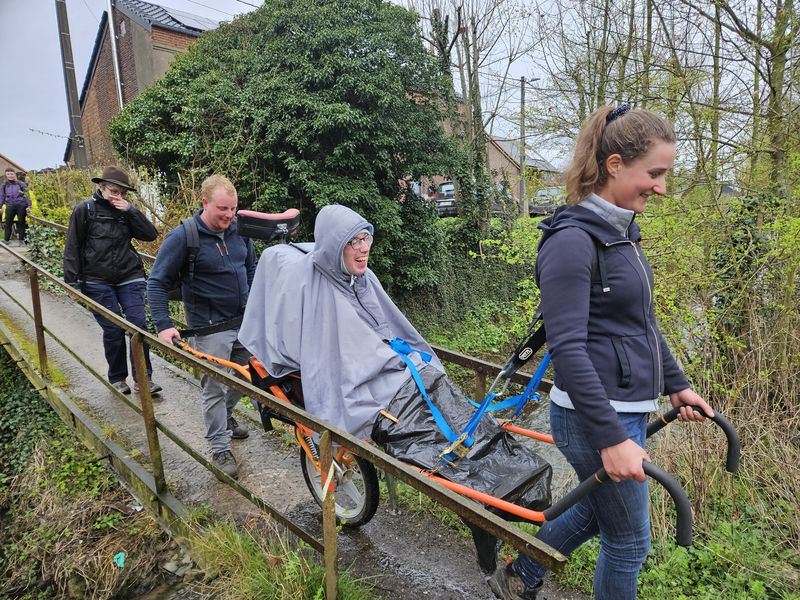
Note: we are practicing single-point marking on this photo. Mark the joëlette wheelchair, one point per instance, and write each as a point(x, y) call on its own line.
point(356, 480)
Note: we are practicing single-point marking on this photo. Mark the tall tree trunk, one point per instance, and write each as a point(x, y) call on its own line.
point(622, 91)
point(647, 52)
point(756, 136)
point(602, 59)
point(776, 126)
point(713, 171)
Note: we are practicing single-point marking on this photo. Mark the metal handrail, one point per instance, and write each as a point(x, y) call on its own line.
point(467, 509)
point(482, 368)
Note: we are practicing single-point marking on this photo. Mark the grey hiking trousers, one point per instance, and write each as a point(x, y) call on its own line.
point(219, 400)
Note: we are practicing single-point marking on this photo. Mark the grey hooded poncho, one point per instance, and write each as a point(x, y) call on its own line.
point(307, 313)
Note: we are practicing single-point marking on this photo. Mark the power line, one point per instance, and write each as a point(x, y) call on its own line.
point(91, 12)
point(211, 7)
point(55, 135)
point(248, 4)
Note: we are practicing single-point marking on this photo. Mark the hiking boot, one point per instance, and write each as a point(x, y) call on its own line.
point(226, 462)
point(154, 387)
point(507, 585)
point(238, 432)
point(121, 386)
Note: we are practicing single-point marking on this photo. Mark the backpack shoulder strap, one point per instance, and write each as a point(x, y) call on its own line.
point(91, 211)
point(599, 265)
point(192, 245)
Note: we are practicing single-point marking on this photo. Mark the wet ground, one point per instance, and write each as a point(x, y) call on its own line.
point(406, 555)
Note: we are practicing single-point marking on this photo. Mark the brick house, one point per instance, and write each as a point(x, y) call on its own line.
point(503, 162)
point(148, 38)
point(6, 163)
point(503, 158)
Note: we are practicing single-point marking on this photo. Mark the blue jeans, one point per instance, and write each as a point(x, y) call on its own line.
point(127, 300)
point(618, 512)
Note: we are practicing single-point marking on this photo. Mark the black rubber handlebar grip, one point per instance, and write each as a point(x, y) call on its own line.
point(683, 508)
point(734, 445)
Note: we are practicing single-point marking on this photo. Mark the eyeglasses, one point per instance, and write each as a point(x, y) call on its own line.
point(357, 242)
point(115, 191)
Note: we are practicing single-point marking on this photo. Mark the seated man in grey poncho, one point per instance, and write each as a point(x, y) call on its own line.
point(323, 312)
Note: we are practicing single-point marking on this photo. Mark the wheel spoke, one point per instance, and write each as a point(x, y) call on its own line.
point(349, 496)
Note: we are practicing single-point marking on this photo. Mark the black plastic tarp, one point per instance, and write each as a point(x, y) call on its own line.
point(497, 464)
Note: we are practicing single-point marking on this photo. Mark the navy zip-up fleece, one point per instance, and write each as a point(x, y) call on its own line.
point(605, 345)
point(223, 271)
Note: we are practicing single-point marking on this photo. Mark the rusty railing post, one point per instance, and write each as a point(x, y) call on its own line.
point(328, 515)
point(137, 345)
point(38, 324)
point(480, 386)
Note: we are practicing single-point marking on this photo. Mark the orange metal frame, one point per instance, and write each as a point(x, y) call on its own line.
point(342, 455)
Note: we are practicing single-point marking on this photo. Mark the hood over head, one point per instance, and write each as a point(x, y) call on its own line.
point(336, 225)
point(304, 314)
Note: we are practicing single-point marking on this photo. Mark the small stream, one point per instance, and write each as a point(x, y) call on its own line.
point(175, 591)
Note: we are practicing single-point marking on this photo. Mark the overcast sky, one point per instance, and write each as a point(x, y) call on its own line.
point(33, 102)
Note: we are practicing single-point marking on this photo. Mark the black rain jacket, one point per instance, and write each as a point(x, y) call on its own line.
point(99, 250)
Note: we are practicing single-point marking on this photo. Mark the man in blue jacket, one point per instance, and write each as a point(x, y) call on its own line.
point(14, 195)
point(215, 280)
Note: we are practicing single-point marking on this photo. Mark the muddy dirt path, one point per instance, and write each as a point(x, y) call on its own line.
point(406, 555)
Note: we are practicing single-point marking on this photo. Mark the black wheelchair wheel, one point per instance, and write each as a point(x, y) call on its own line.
point(356, 489)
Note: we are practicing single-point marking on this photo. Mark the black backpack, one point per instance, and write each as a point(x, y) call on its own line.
point(192, 246)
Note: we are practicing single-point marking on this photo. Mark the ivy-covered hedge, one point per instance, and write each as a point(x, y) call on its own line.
point(305, 103)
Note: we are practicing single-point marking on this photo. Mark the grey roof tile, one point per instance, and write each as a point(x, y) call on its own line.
point(161, 16)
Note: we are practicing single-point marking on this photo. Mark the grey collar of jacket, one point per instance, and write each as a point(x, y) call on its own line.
point(619, 218)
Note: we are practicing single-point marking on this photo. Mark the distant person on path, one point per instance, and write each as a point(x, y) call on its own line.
point(14, 196)
point(100, 260)
point(215, 280)
point(611, 362)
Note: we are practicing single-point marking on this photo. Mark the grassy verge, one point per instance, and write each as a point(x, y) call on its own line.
point(257, 563)
point(64, 517)
point(70, 530)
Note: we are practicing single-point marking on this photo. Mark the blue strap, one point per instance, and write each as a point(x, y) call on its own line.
point(402, 348)
point(520, 400)
point(504, 404)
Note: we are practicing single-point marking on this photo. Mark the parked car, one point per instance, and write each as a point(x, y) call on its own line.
point(445, 198)
point(545, 200)
point(504, 201)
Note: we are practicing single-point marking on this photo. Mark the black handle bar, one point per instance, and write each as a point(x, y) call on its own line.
point(734, 445)
point(683, 532)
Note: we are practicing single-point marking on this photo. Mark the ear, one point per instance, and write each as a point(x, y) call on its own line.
point(614, 164)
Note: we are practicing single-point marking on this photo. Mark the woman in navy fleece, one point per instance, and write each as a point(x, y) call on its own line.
point(611, 362)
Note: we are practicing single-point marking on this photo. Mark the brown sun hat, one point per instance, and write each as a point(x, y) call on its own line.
point(116, 176)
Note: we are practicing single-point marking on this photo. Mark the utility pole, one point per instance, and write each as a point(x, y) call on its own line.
point(112, 32)
point(523, 196)
point(73, 107)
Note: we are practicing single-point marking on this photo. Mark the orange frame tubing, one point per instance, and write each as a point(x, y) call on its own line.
point(535, 435)
point(241, 369)
point(519, 511)
point(301, 430)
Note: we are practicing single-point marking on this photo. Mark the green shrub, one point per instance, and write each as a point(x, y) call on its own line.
point(25, 419)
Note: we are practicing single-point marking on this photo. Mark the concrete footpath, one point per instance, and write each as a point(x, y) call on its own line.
point(406, 555)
